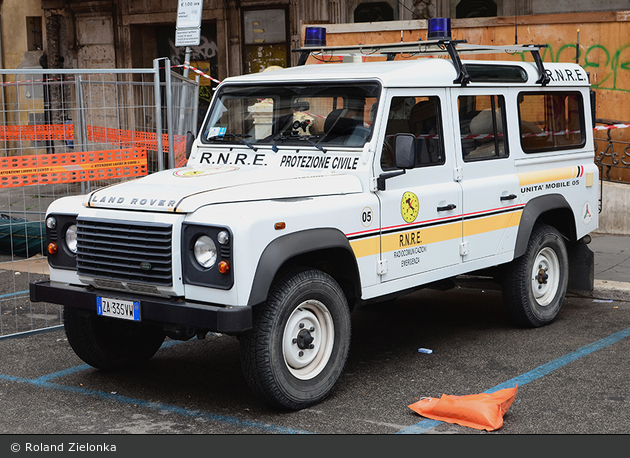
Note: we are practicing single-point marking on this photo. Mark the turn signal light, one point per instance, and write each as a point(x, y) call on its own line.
point(52, 248)
point(224, 267)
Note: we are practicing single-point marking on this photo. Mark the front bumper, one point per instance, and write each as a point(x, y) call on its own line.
point(227, 320)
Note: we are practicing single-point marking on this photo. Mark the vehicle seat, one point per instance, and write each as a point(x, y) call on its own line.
point(423, 124)
point(337, 127)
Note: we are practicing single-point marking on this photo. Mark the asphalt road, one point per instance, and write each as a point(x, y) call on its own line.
point(572, 377)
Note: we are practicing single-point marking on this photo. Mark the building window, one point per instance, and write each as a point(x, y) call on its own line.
point(374, 12)
point(264, 40)
point(34, 38)
point(476, 8)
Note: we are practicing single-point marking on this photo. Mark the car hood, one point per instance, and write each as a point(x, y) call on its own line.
point(186, 189)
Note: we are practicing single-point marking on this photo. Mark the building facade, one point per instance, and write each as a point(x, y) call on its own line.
point(237, 36)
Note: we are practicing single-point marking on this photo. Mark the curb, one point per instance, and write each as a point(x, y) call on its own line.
point(602, 289)
point(608, 289)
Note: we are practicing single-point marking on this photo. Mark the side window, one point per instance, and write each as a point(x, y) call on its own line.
point(551, 121)
point(482, 124)
point(420, 116)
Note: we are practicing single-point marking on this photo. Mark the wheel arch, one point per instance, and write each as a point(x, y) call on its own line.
point(552, 209)
point(326, 249)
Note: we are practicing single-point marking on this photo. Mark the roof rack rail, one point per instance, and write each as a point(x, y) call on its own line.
point(430, 47)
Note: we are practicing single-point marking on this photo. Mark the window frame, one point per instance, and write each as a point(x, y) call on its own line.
point(502, 102)
point(582, 120)
point(439, 127)
point(343, 90)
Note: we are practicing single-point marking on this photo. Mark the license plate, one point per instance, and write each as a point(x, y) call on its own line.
point(118, 308)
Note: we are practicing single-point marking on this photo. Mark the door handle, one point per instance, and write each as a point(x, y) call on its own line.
point(447, 208)
point(510, 197)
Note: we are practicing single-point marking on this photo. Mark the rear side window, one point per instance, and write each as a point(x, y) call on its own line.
point(482, 125)
point(551, 121)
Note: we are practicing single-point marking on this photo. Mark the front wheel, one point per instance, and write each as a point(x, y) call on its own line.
point(298, 345)
point(110, 344)
point(535, 284)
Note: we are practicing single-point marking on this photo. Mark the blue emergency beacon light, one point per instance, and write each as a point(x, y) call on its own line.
point(315, 37)
point(439, 29)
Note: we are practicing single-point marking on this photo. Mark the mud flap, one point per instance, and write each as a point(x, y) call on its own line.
point(581, 267)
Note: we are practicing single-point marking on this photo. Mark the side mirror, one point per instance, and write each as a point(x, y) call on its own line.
point(190, 139)
point(405, 151)
point(404, 157)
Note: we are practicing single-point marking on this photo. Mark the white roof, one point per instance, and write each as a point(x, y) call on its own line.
point(426, 72)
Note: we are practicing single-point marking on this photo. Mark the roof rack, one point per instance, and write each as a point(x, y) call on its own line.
point(431, 47)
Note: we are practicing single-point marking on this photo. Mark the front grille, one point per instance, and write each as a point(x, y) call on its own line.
point(134, 252)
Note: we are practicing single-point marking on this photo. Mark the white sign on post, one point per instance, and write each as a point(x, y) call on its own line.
point(188, 26)
point(187, 37)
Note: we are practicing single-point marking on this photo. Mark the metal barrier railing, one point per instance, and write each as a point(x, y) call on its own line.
point(611, 156)
point(58, 128)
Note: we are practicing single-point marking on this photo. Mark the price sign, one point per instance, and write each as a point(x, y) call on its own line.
point(189, 14)
point(188, 23)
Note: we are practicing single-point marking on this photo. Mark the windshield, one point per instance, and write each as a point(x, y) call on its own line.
point(316, 115)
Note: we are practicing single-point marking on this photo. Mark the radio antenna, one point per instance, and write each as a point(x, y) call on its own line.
point(515, 24)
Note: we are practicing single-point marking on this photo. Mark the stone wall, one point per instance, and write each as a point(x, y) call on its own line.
point(615, 215)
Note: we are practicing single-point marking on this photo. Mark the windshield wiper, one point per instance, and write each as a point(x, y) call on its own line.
point(295, 136)
point(239, 137)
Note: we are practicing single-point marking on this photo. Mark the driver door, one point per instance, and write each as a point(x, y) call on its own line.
point(421, 210)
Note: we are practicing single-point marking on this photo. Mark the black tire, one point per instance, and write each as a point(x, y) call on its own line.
point(108, 343)
point(271, 360)
point(534, 285)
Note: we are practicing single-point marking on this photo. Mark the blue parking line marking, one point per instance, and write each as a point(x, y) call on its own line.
point(224, 419)
point(82, 367)
point(562, 361)
point(2, 296)
point(534, 374)
point(54, 375)
point(419, 428)
point(44, 382)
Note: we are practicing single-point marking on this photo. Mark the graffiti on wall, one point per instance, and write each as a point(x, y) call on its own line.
point(206, 50)
point(611, 68)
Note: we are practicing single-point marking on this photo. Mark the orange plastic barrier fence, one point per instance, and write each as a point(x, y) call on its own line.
point(133, 138)
point(72, 167)
point(37, 132)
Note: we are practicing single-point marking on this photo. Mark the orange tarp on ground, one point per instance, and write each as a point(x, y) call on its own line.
point(479, 411)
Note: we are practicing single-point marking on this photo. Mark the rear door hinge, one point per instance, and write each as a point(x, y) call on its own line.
point(382, 267)
point(463, 249)
point(458, 173)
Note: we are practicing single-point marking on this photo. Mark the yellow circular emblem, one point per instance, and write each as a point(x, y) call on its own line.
point(409, 206)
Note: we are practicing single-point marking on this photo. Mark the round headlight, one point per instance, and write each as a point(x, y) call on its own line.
point(205, 251)
point(71, 238)
point(51, 222)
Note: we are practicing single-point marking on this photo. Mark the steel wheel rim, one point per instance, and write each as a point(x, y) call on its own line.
point(303, 357)
point(545, 276)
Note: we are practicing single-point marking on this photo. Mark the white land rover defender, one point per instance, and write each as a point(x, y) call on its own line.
point(314, 189)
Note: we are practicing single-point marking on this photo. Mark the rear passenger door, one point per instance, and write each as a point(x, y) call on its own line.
point(420, 209)
point(491, 195)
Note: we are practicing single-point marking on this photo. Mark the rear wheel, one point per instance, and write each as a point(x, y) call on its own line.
point(298, 346)
point(108, 343)
point(535, 284)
